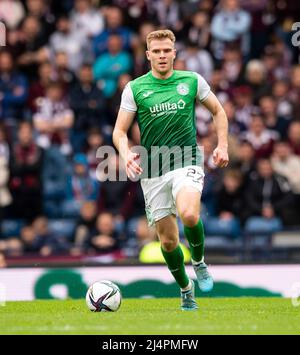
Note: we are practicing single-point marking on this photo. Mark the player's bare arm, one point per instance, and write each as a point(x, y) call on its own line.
point(120, 140)
point(220, 154)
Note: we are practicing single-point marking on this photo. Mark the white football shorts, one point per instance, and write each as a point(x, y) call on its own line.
point(160, 192)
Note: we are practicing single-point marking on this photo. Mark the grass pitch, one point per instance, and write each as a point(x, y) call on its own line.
point(153, 316)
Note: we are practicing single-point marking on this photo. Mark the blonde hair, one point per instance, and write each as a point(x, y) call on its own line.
point(160, 34)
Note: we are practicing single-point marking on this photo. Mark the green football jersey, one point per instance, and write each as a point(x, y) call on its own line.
point(166, 118)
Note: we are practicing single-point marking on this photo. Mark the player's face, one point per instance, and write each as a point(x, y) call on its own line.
point(161, 54)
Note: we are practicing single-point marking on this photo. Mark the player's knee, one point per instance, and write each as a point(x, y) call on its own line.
point(169, 245)
point(189, 219)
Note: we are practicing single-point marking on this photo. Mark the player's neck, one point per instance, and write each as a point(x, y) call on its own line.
point(158, 75)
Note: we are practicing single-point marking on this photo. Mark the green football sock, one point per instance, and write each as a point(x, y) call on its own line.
point(175, 262)
point(195, 237)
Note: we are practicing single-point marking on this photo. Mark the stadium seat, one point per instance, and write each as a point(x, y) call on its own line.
point(52, 209)
point(222, 242)
point(217, 226)
point(70, 209)
point(55, 170)
point(11, 228)
point(259, 225)
point(62, 227)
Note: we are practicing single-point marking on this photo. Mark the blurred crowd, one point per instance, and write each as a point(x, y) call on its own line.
point(62, 73)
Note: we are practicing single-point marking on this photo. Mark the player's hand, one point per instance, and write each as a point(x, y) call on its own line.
point(132, 166)
point(220, 157)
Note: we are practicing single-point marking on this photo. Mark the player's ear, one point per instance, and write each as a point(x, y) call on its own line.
point(175, 53)
point(147, 55)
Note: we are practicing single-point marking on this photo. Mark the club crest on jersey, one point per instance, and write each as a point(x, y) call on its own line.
point(183, 89)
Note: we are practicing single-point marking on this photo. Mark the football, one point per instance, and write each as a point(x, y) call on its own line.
point(103, 296)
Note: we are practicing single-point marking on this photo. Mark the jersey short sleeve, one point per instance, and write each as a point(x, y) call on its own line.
point(127, 101)
point(203, 88)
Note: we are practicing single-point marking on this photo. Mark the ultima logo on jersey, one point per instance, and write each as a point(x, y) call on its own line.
point(167, 107)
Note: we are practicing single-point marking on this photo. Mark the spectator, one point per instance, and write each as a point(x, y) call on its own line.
point(13, 90)
point(280, 92)
point(255, 78)
point(268, 197)
point(3, 263)
point(209, 189)
point(287, 164)
point(136, 12)
point(62, 7)
point(81, 187)
point(232, 65)
point(294, 136)
point(48, 242)
point(230, 196)
point(144, 233)
point(277, 67)
point(41, 10)
point(54, 119)
point(234, 129)
point(114, 25)
point(86, 19)
point(141, 63)
point(11, 246)
point(243, 99)
point(218, 82)
point(295, 88)
point(134, 203)
point(94, 141)
point(139, 235)
point(229, 208)
point(198, 29)
point(87, 102)
point(179, 64)
point(114, 102)
point(261, 138)
point(231, 25)
point(31, 243)
point(11, 13)
point(197, 60)
point(167, 13)
point(207, 6)
point(73, 43)
point(109, 66)
point(63, 73)
point(56, 169)
point(207, 144)
point(30, 49)
point(245, 162)
point(203, 123)
point(272, 121)
point(38, 88)
point(262, 20)
point(4, 146)
point(85, 226)
point(105, 238)
point(5, 196)
point(26, 163)
point(113, 193)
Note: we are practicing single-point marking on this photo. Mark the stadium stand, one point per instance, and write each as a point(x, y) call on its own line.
point(62, 72)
